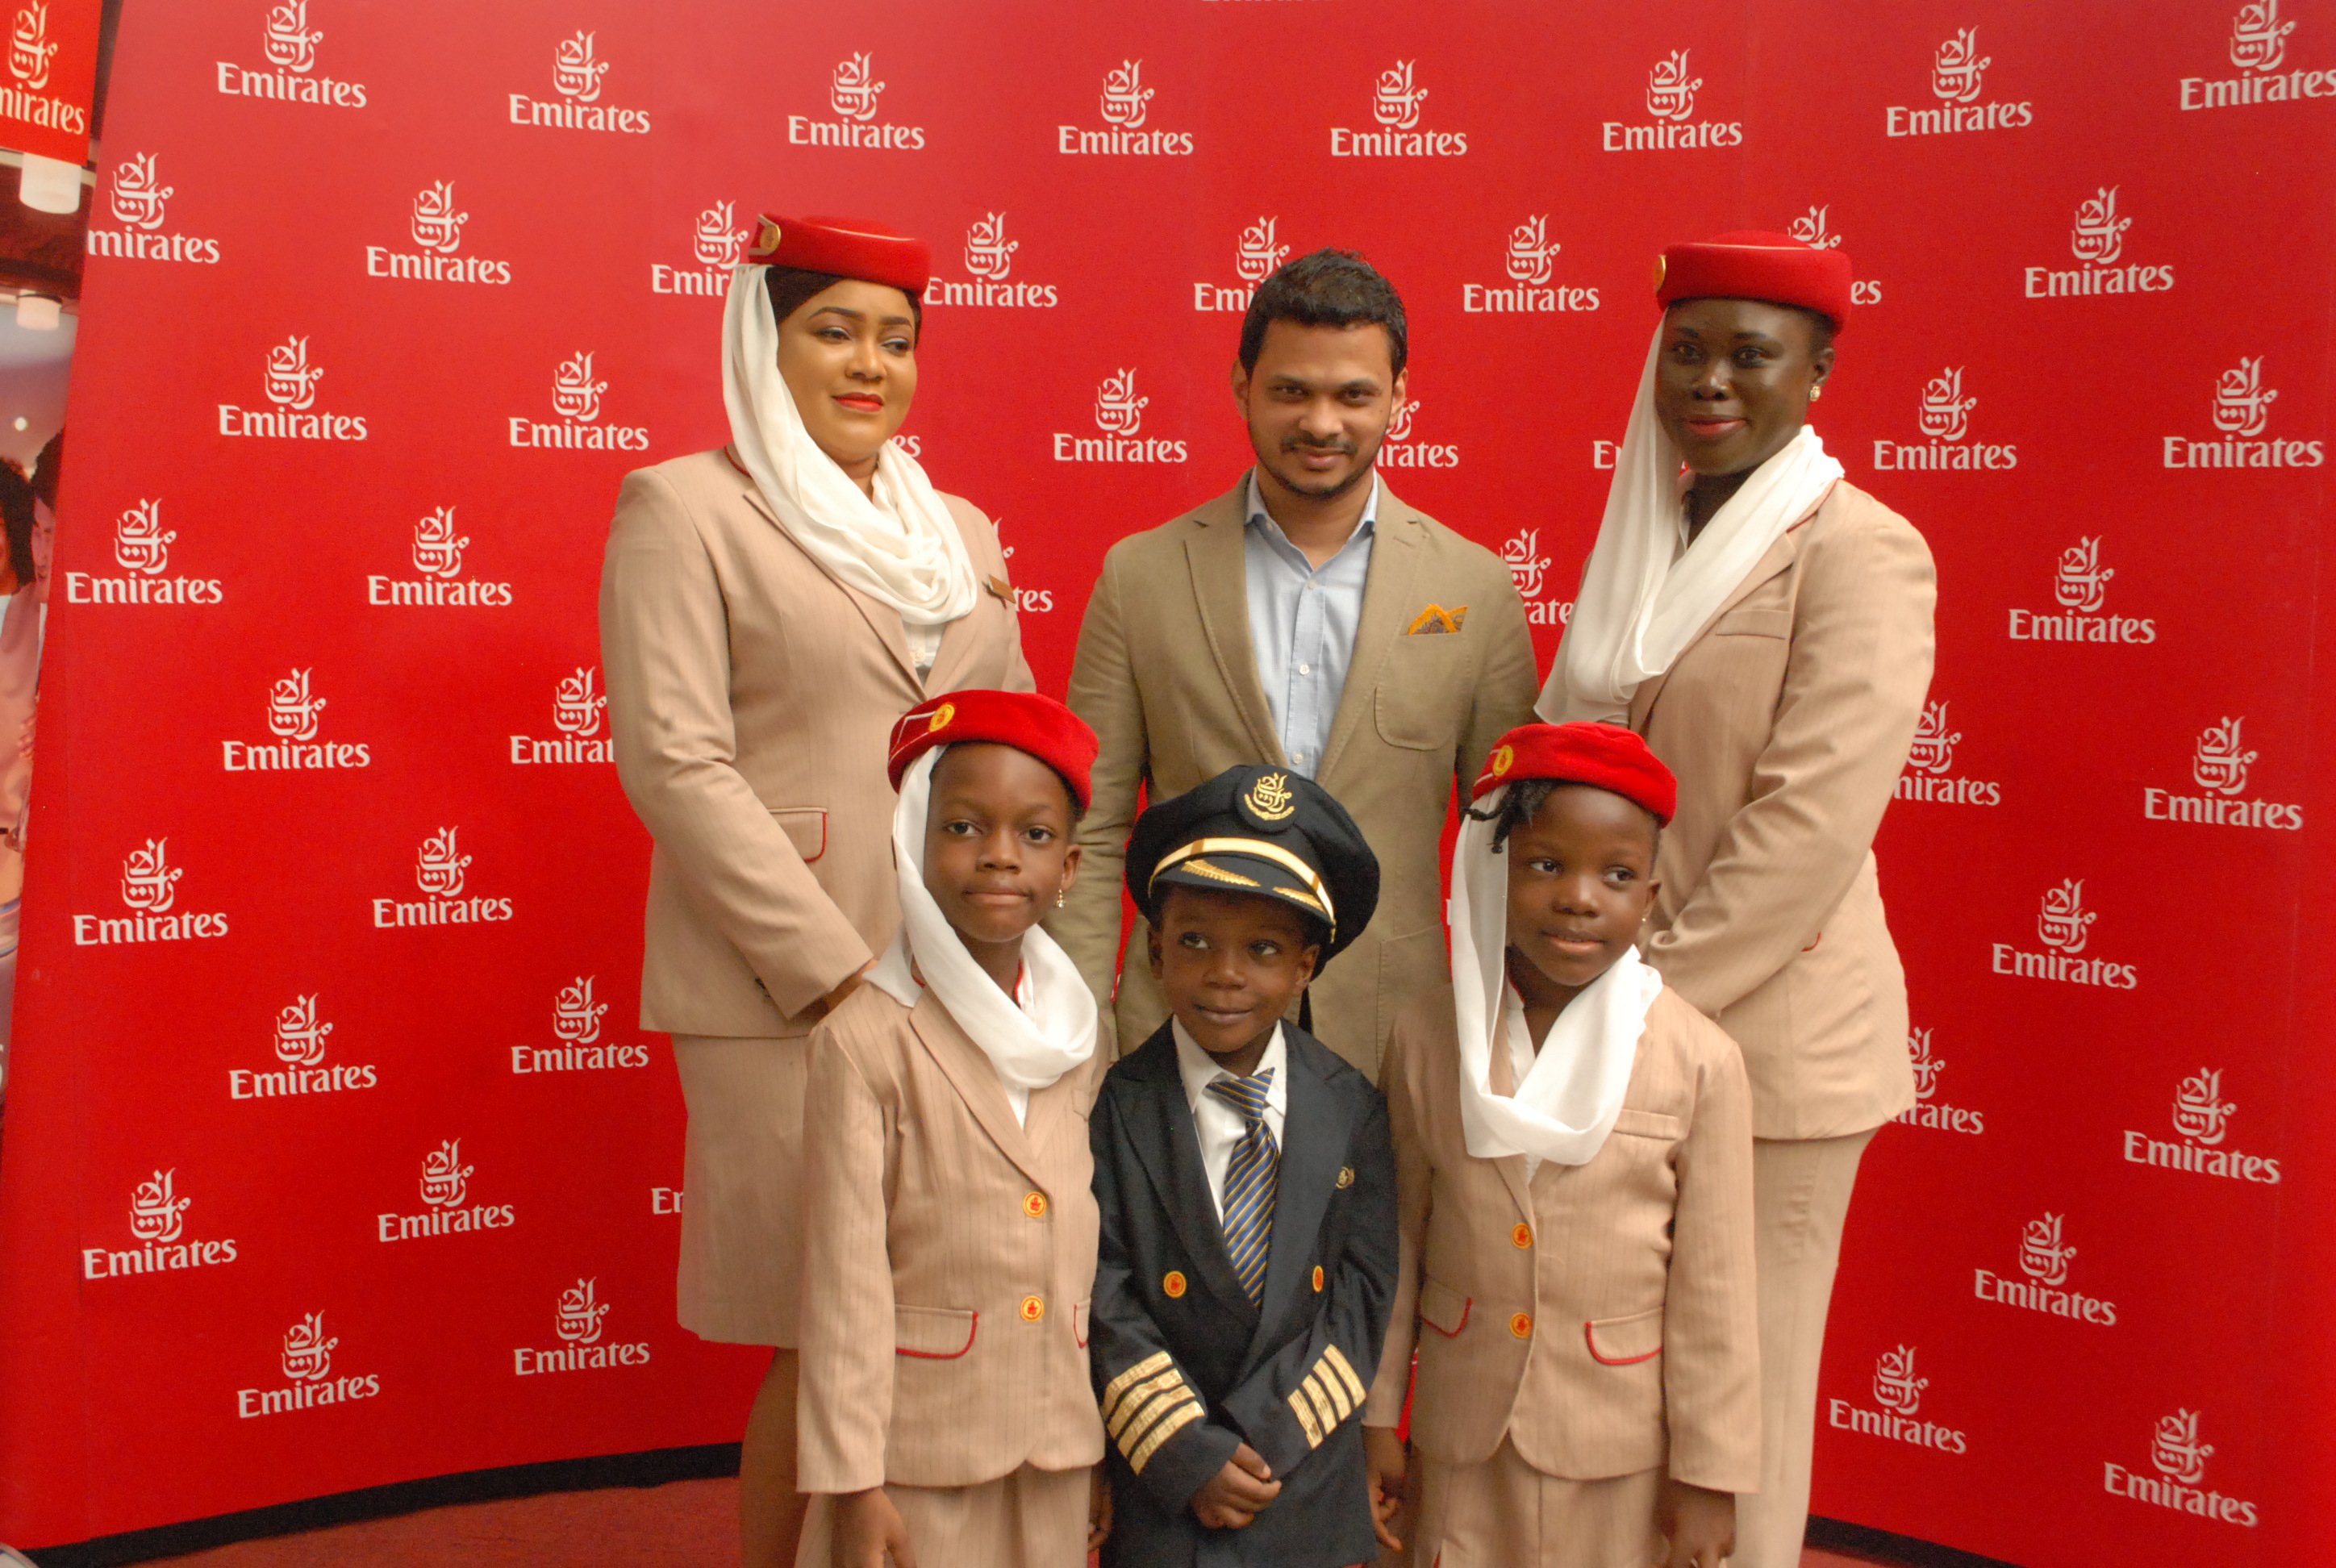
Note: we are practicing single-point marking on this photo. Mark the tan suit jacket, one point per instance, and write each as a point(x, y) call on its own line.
point(1787, 721)
point(1604, 1318)
point(1167, 676)
point(949, 1259)
point(751, 696)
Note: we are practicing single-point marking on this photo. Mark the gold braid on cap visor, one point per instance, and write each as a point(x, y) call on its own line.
point(1255, 849)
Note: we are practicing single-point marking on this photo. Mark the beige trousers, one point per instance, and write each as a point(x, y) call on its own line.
point(1030, 1519)
point(1504, 1514)
point(1800, 1197)
point(741, 1219)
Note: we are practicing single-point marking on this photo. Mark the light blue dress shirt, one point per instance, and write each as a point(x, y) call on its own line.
point(1302, 620)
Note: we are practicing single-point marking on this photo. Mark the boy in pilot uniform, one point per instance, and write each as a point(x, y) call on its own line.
point(1573, 1147)
point(1247, 1196)
point(945, 1416)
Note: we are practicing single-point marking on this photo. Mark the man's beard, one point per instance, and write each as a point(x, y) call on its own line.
point(1315, 490)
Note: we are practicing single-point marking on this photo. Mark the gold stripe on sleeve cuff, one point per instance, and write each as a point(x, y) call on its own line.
point(1132, 1438)
point(1169, 1383)
point(1338, 1359)
point(1326, 1385)
point(1135, 1374)
point(1303, 1409)
point(1324, 1405)
point(1184, 1417)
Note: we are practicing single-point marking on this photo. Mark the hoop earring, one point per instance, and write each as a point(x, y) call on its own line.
point(1816, 392)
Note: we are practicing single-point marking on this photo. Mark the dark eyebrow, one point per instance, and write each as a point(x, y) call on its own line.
point(849, 314)
point(1359, 383)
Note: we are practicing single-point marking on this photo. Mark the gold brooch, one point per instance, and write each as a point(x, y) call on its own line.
point(1502, 758)
point(941, 717)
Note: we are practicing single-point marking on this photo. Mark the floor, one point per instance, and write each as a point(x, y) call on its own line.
point(684, 1522)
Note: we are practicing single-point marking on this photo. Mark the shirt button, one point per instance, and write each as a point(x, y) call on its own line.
point(1522, 1235)
point(1035, 1205)
point(1305, 670)
point(1033, 1308)
point(1520, 1325)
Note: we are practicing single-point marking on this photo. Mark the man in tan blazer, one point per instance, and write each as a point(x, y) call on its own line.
point(1309, 619)
point(1592, 1324)
point(1787, 720)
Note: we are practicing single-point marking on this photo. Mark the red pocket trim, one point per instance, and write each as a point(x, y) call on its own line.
point(1590, 1337)
point(1466, 1307)
point(971, 1329)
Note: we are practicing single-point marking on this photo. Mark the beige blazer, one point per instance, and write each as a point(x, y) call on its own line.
point(1604, 1318)
point(949, 1259)
point(1787, 721)
point(1167, 676)
point(751, 697)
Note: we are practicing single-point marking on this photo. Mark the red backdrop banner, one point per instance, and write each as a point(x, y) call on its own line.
point(44, 100)
point(334, 1155)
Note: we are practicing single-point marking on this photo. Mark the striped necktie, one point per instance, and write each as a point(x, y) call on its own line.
point(1250, 1181)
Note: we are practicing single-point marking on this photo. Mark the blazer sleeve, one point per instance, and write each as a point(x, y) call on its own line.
point(845, 1413)
point(1855, 681)
point(1152, 1411)
point(1711, 1347)
point(1301, 1395)
point(1414, 1180)
point(665, 645)
point(1103, 693)
point(1507, 680)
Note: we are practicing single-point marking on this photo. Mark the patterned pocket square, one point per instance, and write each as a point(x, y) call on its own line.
point(1438, 622)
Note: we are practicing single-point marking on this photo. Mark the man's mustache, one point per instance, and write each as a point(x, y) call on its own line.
point(1299, 443)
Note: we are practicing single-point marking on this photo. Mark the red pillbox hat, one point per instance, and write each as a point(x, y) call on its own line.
point(848, 246)
point(1024, 720)
point(1604, 755)
point(1752, 264)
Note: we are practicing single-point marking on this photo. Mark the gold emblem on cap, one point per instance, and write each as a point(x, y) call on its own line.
point(1503, 758)
point(1662, 266)
point(1271, 798)
point(767, 240)
point(941, 717)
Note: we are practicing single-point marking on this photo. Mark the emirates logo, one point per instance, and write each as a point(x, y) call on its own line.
point(2080, 582)
point(2219, 763)
point(1527, 566)
point(1927, 1065)
point(1118, 411)
point(291, 710)
point(290, 45)
point(444, 1178)
point(2175, 1450)
point(141, 544)
point(1399, 427)
point(716, 238)
point(576, 707)
point(575, 1015)
point(29, 49)
point(1933, 750)
point(575, 396)
point(853, 89)
point(2200, 1113)
point(1124, 96)
point(436, 226)
point(2097, 237)
point(300, 1037)
point(138, 193)
point(1896, 1386)
point(2258, 37)
point(1809, 229)
point(437, 548)
point(291, 380)
point(1394, 101)
point(438, 866)
point(578, 1319)
point(1257, 255)
point(2242, 402)
point(1670, 90)
point(2063, 923)
point(1956, 69)
point(156, 1213)
point(575, 74)
point(989, 254)
point(307, 1353)
point(1531, 251)
point(2044, 1256)
point(149, 881)
point(1945, 414)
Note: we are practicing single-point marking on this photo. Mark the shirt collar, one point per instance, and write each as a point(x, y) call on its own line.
point(1257, 517)
point(1199, 1069)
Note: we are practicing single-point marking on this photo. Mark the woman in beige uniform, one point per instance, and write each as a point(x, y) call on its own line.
point(1766, 626)
point(767, 610)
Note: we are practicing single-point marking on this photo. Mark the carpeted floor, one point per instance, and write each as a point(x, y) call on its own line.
point(692, 1523)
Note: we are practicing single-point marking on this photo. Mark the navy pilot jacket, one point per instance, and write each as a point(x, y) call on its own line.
point(1186, 1366)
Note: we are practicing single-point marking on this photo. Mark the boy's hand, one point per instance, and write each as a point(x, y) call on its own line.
point(867, 1528)
point(1238, 1492)
point(1383, 1454)
point(1699, 1525)
point(1098, 1509)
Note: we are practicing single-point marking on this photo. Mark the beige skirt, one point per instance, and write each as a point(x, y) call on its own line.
point(742, 1218)
point(1030, 1519)
point(1504, 1514)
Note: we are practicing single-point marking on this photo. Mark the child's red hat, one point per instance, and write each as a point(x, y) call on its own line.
point(1604, 755)
point(1024, 720)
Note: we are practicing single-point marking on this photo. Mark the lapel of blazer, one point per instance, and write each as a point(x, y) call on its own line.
point(1170, 1153)
point(1314, 1138)
point(959, 638)
point(1502, 1081)
point(1779, 556)
point(1219, 567)
point(1397, 542)
point(975, 1077)
point(882, 619)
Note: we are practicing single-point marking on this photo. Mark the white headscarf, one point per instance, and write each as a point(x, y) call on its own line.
point(1566, 1105)
point(902, 549)
point(1642, 600)
point(1031, 1049)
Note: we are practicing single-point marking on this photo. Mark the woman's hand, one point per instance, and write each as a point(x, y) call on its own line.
point(867, 1528)
point(1699, 1524)
point(1098, 1509)
point(1383, 1455)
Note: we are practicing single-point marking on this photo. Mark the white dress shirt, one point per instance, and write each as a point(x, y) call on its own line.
point(1219, 1125)
point(1303, 621)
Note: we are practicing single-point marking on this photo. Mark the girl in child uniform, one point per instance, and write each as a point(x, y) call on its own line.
point(946, 1416)
point(1574, 1157)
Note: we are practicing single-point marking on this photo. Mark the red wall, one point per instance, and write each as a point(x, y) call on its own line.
point(121, 1398)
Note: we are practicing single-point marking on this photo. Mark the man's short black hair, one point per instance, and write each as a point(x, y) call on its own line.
point(1523, 802)
point(1326, 289)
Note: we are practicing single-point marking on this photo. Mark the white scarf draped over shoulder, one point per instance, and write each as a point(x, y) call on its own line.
point(901, 548)
point(1641, 597)
point(1567, 1103)
point(1031, 1049)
